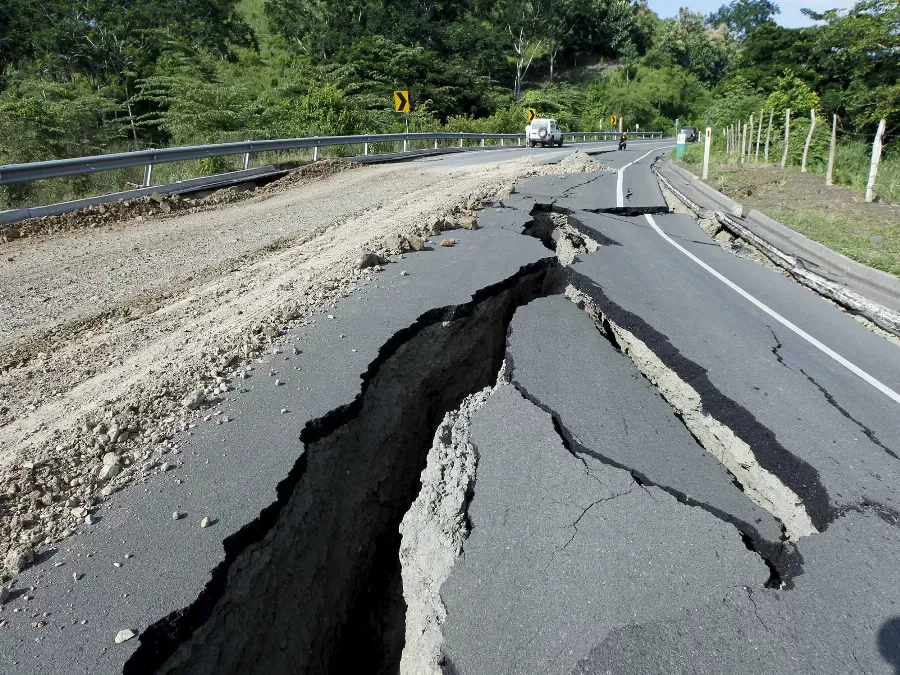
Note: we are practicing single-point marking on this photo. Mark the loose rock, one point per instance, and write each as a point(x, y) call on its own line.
point(448, 243)
point(124, 635)
point(415, 242)
point(194, 400)
point(17, 559)
point(369, 259)
point(468, 222)
point(396, 243)
point(9, 234)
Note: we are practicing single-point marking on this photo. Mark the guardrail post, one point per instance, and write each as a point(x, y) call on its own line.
point(460, 142)
point(246, 161)
point(365, 148)
point(435, 143)
point(148, 173)
point(482, 141)
point(404, 145)
point(502, 143)
point(316, 154)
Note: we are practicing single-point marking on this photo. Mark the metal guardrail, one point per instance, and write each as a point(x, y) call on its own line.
point(24, 173)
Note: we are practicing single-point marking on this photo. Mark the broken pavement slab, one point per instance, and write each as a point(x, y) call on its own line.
point(561, 554)
point(609, 414)
point(750, 371)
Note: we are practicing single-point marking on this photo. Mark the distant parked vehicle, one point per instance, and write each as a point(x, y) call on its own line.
point(691, 134)
point(544, 131)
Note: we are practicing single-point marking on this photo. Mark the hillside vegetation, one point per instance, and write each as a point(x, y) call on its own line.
point(111, 75)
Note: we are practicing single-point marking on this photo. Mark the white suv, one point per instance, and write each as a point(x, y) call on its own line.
point(543, 131)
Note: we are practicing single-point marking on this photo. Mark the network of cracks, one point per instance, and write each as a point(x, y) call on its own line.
point(325, 557)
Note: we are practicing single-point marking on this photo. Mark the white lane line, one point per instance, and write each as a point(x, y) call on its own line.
point(620, 195)
point(856, 370)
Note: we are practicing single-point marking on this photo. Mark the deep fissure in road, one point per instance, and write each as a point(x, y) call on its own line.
point(313, 585)
point(560, 230)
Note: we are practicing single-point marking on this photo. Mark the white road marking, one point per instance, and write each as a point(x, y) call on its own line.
point(856, 370)
point(620, 195)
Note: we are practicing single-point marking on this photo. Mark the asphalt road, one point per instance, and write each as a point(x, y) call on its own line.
point(811, 392)
point(606, 538)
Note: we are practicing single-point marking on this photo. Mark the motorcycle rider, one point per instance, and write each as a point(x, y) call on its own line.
point(623, 140)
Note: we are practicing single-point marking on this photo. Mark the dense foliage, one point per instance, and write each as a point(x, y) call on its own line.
point(103, 75)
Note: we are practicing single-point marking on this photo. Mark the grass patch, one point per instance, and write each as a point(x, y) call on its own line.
point(873, 243)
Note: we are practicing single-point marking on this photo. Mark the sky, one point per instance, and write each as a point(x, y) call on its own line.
point(790, 16)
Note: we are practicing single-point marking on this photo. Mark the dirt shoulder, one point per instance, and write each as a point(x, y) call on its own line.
point(836, 216)
point(111, 338)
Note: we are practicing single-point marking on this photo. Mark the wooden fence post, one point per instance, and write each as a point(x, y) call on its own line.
point(876, 159)
point(787, 136)
point(758, 135)
point(769, 135)
point(750, 140)
point(829, 174)
point(743, 142)
point(812, 126)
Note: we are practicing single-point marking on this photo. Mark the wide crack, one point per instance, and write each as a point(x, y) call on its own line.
point(313, 584)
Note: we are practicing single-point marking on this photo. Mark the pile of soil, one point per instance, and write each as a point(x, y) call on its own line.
point(580, 161)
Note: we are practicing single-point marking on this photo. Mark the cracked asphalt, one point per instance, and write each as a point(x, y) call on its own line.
point(606, 535)
point(557, 577)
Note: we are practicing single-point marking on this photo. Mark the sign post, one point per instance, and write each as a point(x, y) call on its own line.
point(401, 105)
point(706, 153)
point(680, 144)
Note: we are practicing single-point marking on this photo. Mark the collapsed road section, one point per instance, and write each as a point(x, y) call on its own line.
point(606, 419)
point(503, 458)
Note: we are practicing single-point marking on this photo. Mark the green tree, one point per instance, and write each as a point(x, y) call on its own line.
point(792, 92)
point(686, 41)
point(737, 101)
point(860, 50)
point(742, 17)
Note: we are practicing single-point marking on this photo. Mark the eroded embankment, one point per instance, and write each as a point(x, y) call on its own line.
point(313, 585)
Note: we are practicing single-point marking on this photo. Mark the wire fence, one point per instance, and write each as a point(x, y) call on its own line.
point(819, 145)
